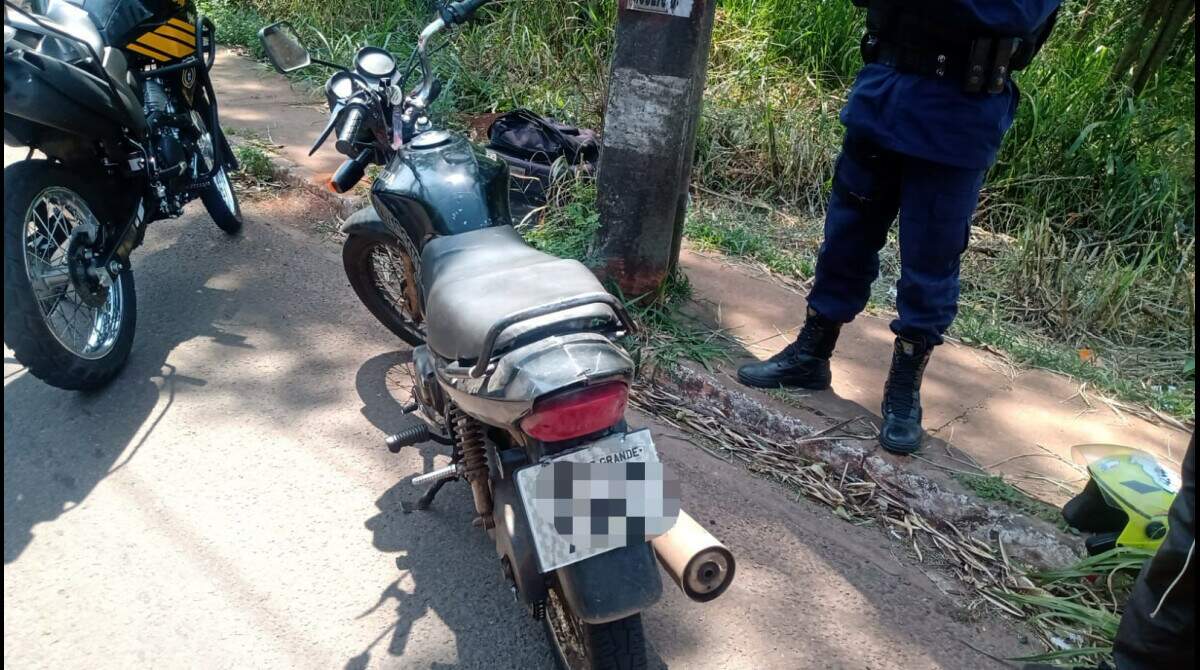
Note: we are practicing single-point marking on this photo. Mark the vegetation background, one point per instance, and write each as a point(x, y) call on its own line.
point(1083, 260)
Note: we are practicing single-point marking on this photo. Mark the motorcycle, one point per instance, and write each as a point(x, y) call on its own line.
point(516, 365)
point(116, 94)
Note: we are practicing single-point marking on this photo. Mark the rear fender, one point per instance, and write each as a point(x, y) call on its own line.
point(613, 585)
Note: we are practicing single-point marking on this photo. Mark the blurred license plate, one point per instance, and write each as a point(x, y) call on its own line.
point(610, 494)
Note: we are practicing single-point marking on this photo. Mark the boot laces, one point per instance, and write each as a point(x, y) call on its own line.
point(805, 343)
point(903, 384)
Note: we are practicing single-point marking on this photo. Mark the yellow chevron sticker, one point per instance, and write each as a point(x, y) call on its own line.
point(182, 25)
point(167, 31)
point(147, 52)
point(164, 45)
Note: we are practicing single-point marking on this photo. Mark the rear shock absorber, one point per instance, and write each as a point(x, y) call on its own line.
point(469, 433)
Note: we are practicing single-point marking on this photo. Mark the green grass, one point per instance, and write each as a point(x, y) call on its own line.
point(254, 162)
point(991, 487)
point(1095, 189)
point(568, 225)
point(1075, 609)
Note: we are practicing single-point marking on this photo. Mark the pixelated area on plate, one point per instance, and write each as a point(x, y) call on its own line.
point(612, 494)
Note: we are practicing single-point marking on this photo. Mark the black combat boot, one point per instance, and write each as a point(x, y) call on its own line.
point(901, 432)
point(803, 363)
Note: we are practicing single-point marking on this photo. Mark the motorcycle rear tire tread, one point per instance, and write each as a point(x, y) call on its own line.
point(25, 330)
point(617, 645)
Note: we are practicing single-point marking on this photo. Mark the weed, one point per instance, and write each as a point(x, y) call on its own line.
point(1076, 610)
point(254, 162)
point(992, 487)
point(667, 334)
point(568, 225)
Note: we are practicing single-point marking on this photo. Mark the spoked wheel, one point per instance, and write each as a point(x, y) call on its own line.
point(218, 198)
point(616, 645)
point(65, 318)
point(386, 277)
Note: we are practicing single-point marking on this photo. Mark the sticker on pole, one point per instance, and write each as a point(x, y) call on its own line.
point(668, 7)
point(611, 494)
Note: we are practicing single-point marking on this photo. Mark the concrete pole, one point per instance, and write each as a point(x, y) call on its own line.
point(654, 97)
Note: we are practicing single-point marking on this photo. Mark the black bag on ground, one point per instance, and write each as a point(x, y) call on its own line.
point(538, 150)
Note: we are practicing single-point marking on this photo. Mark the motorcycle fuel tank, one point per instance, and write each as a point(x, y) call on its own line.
point(441, 184)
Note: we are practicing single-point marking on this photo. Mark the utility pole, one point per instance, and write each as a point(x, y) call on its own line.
point(655, 90)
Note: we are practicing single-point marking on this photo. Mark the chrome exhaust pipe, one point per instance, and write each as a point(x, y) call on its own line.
point(698, 562)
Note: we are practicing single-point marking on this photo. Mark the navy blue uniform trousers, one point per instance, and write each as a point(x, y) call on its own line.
point(935, 202)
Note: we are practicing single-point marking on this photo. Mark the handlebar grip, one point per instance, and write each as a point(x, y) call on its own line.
point(459, 12)
point(348, 132)
point(350, 173)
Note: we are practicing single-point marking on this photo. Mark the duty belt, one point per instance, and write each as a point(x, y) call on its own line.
point(983, 66)
point(929, 41)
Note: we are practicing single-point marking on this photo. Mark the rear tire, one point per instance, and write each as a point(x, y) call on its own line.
point(26, 329)
point(383, 296)
point(616, 645)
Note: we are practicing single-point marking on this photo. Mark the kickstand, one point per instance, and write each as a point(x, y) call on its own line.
point(430, 493)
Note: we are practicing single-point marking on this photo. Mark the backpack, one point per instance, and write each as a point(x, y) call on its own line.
point(538, 150)
point(523, 134)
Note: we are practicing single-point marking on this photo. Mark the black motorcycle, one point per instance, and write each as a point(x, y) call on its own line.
point(116, 95)
point(516, 365)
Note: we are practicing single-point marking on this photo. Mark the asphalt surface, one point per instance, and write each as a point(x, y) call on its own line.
point(227, 502)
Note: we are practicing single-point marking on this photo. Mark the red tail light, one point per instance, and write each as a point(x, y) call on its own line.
point(577, 413)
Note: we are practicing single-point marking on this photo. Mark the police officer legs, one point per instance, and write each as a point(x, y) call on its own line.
point(934, 202)
point(924, 121)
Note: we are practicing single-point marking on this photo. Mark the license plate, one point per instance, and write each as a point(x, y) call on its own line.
point(610, 494)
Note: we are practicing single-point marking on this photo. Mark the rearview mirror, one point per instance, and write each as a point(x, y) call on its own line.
point(284, 48)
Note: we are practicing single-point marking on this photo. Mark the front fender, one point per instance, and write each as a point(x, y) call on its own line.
point(367, 224)
point(613, 585)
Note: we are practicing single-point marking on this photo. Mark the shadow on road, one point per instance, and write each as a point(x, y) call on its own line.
point(438, 551)
point(58, 445)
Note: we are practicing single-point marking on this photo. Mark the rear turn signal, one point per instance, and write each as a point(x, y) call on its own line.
point(577, 413)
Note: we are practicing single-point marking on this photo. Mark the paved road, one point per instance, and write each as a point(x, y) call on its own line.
point(227, 503)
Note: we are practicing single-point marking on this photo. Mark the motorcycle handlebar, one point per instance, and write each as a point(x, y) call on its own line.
point(348, 132)
point(459, 12)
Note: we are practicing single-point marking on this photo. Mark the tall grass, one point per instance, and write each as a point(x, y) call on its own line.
point(1094, 188)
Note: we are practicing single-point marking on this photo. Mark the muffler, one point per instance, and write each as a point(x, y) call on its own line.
point(698, 562)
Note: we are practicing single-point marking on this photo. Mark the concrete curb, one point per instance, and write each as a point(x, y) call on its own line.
point(932, 494)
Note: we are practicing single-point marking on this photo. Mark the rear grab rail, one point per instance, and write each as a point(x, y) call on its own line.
point(497, 329)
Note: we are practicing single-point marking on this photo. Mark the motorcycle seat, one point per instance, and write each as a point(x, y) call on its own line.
point(473, 280)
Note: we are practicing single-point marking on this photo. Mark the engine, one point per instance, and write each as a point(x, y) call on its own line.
point(170, 155)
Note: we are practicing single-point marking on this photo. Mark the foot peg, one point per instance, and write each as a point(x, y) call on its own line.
point(441, 474)
point(407, 437)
